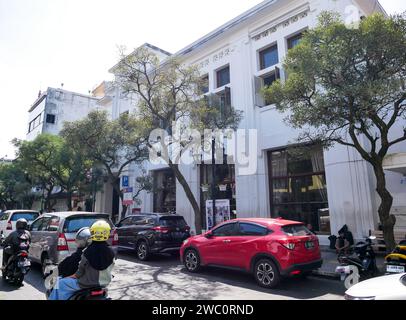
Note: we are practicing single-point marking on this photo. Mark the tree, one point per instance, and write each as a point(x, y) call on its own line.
point(112, 145)
point(15, 187)
point(347, 86)
point(57, 159)
point(166, 94)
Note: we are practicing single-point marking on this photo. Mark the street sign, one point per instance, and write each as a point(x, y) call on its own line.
point(128, 199)
point(125, 181)
point(128, 190)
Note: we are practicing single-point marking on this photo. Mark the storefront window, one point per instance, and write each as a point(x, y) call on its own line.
point(224, 190)
point(164, 189)
point(298, 187)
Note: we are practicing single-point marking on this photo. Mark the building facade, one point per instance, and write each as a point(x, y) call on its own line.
point(324, 188)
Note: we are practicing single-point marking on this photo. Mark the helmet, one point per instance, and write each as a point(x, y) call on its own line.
point(83, 237)
point(100, 231)
point(21, 224)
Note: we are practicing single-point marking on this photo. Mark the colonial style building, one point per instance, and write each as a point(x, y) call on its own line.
point(324, 188)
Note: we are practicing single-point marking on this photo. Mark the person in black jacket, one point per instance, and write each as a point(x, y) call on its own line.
point(16, 241)
point(70, 264)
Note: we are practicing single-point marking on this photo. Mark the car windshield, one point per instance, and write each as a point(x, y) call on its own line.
point(74, 224)
point(29, 216)
point(172, 222)
point(296, 230)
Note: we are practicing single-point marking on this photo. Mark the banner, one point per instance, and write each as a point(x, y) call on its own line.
point(222, 212)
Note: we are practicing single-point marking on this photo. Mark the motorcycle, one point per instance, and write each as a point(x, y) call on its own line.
point(396, 261)
point(2, 238)
point(18, 266)
point(363, 260)
point(96, 293)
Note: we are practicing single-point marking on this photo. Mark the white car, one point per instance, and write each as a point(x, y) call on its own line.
point(391, 287)
point(9, 219)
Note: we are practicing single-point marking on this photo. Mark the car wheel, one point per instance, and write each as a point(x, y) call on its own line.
point(266, 273)
point(192, 260)
point(142, 251)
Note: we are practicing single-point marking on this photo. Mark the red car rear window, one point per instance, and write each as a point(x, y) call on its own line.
point(296, 230)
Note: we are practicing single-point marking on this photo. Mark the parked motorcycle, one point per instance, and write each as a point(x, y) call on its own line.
point(396, 261)
point(363, 259)
point(2, 238)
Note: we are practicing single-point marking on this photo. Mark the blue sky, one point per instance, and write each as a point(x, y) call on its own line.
point(48, 42)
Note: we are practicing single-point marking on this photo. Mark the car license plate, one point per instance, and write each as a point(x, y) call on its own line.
point(309, 244)
point(395, 269)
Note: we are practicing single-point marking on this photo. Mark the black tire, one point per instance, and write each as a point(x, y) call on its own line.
point(142, 250)
point(191, 260)
point(267, 274)
point(19, 282)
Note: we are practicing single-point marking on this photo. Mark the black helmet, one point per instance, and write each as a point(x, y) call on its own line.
point(21, 224)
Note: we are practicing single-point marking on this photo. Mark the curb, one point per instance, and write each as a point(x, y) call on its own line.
point(326, 274)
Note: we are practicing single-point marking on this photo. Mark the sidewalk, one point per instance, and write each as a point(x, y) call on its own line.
point(330, 263)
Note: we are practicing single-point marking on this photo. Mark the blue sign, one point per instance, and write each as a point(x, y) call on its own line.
point(125, 181)
point(128, 190)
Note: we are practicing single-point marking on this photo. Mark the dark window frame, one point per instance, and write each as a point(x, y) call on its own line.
point(50, 117)
point(234, 224)
point(292, 38)
point(267, 231)
point(263, 52)
point(218, 72)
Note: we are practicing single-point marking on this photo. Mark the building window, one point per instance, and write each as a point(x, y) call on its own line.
point(223, 77)
point(50, 118)
point(298, 189)
point(204, 87)
point(34, 123)
point(265, 81)
point(164, 191)
point(269, 57)
point(294, 41)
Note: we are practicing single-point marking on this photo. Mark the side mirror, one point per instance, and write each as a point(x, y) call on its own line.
point(208, 235)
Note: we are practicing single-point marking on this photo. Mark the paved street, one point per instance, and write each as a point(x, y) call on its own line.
point(165, 278)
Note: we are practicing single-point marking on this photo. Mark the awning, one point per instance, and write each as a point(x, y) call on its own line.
point(395, 162)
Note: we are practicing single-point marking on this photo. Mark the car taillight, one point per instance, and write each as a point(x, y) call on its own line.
point(115, 238)
point(161, 229)
point(9, 226)
point(97, 293)
point(24, 254)
point(62, 243)
point(290, 245)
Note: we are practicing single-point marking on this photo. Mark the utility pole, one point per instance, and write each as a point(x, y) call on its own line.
point(213, 179)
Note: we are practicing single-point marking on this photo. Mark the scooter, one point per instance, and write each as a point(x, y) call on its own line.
point(396, 261)
point(17, 267)
point(362, 261)
point(51, 279)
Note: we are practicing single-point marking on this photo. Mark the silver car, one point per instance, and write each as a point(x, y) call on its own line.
point(53, 235)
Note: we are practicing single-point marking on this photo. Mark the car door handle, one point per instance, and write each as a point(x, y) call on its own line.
point(226, 241)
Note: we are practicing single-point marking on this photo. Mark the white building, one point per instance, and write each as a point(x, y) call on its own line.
point(55, 107)
point(329, 188)
point(49, 113)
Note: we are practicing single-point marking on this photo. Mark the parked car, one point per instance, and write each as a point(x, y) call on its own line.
point(53, 235)
point(9, 218)
point(267, 248)
point(390, 287)
point(149, 233)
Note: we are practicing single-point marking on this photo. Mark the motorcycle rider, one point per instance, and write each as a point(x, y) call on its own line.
point(345, 241)
point(95, 265)
point(18, 240)
point(71, 264)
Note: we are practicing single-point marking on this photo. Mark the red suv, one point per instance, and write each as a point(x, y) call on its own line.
point(268, 248)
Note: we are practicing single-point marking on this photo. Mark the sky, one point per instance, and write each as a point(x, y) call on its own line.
point(44, 43)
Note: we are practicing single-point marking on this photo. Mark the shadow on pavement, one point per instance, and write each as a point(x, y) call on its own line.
point(196, 286)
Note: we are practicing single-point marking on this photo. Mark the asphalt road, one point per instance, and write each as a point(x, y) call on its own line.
point(164, 278)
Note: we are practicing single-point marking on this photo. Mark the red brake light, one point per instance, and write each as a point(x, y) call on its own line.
point(24, 254)
point(62, 243)
point(288, 244)
point(97, 293)
point(115, 238)
point(9, 226)
point(161, 229)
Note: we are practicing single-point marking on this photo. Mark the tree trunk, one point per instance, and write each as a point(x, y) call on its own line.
point(69, 200)
point(388, 220)
point(179, 176)
point(124, 207)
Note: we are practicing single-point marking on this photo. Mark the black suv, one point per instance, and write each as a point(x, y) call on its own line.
point(149, 233)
